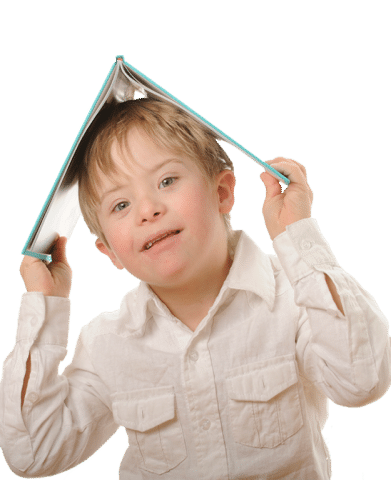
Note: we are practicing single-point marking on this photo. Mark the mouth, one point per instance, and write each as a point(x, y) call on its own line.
point(151, 242)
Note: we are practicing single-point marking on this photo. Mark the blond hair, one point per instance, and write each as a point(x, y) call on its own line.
point(168, 126)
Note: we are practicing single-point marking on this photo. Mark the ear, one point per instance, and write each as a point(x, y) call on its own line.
point(107, 251)
point(225, 182)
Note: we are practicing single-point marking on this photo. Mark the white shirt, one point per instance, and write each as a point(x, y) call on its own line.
point(244, 396)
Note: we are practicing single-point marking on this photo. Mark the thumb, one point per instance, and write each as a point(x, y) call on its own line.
point(58, 254)
point(272, 185)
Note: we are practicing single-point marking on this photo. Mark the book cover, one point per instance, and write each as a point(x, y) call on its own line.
point(61, 209)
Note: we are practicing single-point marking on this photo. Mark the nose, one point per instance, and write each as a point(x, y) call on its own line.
point(150, 210)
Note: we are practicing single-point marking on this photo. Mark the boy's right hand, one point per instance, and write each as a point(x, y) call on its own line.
point(53, 279)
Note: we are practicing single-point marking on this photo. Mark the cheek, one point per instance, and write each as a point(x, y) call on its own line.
point(197, 208)
point(120, 238)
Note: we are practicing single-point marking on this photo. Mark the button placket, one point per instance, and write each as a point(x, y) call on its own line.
point(200, 382)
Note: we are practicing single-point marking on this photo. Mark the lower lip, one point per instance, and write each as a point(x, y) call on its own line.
point(163, 245)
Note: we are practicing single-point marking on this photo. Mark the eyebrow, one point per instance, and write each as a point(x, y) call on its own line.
point(152, 170)
point(169, 160)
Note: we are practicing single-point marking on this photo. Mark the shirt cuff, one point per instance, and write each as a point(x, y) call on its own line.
point(302, 248)
point(43, 320)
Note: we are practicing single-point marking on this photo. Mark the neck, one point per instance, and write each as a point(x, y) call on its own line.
point(191, 301)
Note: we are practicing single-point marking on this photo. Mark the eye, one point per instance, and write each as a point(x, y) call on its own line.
point(168, 181)
point(120, 206)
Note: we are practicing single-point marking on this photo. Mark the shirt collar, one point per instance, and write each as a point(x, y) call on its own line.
point(251, 270)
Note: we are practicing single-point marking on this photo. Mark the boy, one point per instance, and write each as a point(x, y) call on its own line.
point(218, 365)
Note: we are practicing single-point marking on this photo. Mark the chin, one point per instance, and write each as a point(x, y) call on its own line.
point(169, 277)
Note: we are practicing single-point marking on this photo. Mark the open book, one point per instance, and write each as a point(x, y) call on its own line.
point(61, 210)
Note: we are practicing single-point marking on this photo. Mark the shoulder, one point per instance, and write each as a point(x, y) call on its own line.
point(266, 262)
point(282, 283)
point(122, 321)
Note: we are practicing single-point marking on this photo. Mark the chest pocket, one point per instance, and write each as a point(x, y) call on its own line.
point(264, 402)
point(155, 434)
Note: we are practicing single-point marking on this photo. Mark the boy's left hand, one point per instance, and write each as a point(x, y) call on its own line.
point(282, 209)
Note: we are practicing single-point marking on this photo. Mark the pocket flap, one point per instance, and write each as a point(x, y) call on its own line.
point(260, 382)
point(142, 410)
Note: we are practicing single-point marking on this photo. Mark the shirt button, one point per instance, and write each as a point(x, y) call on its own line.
point(33, 397)
point(194, 356)
point(306, 244)
point(205, 424)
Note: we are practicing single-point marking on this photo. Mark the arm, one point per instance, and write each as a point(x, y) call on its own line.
point(65, 418)
point(49, 422)
point(52, 280)
point(343, 349)
point(283, 209)
point(342, 340)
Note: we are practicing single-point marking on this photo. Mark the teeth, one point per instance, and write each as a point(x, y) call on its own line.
point(149, 245)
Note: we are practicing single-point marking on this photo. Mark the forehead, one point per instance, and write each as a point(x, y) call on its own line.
point(136, 155)
point(137, 150)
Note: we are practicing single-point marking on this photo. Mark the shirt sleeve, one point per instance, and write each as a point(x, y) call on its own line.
point(346, 355)
point(65, 418)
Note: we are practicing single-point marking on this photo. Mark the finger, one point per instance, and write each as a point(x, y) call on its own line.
point(278, 159)
point(290, 161)
point(290, 169)
point(272, 185)
point(28, 261)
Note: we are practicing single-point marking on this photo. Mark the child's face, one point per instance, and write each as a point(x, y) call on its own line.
point(150, 199)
